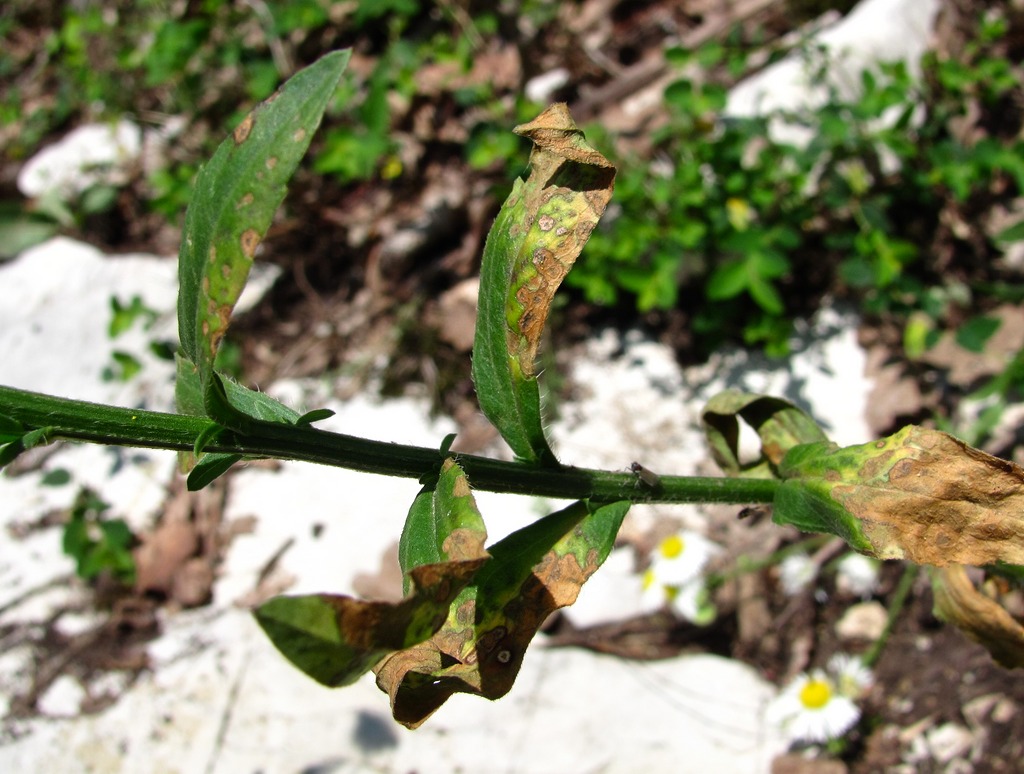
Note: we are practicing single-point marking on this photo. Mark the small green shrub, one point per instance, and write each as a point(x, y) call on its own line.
point(734, 226)
point(98, 544)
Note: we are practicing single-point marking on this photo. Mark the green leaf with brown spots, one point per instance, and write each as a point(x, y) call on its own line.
point(919, 494)
point(536, 238)
point(779, 424)
point(480, 648)
point(443, 524)
point(236, 195)
point(335, 639)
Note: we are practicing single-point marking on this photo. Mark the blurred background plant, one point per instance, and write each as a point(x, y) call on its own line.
point(98, 544)
point(725, 219)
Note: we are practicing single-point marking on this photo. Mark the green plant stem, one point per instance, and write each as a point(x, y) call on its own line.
point(899, 598)
point(81, 421)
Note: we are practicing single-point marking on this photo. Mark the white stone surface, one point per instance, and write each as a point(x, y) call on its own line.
point(88, 155)
point(874, 31)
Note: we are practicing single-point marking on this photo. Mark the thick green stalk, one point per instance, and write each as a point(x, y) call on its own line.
point(95, 423)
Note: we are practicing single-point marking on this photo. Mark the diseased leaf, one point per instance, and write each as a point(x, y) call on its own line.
point(779, 424)
point(806, 505)
point(480, 648)
point(537, 236)
point(979, 617)
point(919, 494)
point(236, 195)
point(335, 639)
point(443, 525)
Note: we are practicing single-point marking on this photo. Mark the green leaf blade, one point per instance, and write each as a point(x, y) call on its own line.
point(780, 425)
point(537, 236)
point(209, 469)
point(335, 639)
point(444, 524)
point(237, 193)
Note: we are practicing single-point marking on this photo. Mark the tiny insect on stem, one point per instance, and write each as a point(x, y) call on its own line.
point(648, 477)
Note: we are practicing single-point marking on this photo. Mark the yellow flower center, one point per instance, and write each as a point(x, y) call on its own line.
point(673, 546)
point(816, 694)
point(648, 579)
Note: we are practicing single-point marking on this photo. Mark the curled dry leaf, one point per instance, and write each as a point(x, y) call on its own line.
point(569, 188)
point(537, 236)
point(779, 424)
point(982, 619)
point(480, 648)
point(922, 495)
point(335, 639)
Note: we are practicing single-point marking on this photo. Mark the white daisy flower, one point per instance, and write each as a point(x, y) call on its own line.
point(691, 601)
point(852, 677)
point(797, 572)
point(681, 557)
point(857, 574)
point(811, 709)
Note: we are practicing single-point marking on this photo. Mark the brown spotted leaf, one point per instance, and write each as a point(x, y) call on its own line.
point(336, 639)
point(480, 648)
point(919, 494)
point(443, 525)
point(980, 617)
point(536, 238)
point(569, 187)
point(236, 195)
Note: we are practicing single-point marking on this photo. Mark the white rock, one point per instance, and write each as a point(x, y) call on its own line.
point(949, 741)
point(541, 87)
point(62, 698)
point(864, 621)
point(874, 31)
point(612, 594)
point(71, 624)
point(86, 156)
point(54, 313)
point(1004, 711)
